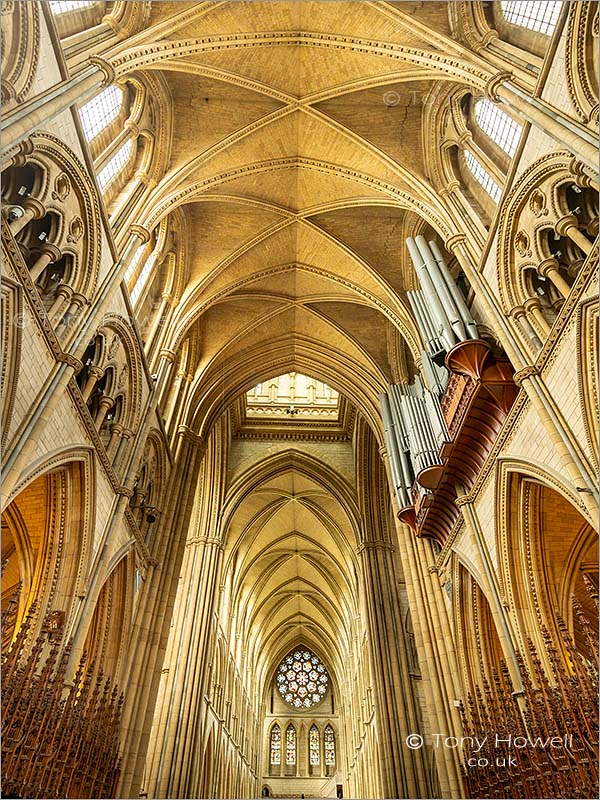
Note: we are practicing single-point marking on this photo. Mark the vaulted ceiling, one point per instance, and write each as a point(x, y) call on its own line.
point(298, 160)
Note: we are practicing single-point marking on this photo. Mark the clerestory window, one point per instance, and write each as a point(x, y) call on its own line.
point(62, 6)
point(117, 163)
point(483, 176)
point(497, 125)
point(101, 110)
point(537, 15)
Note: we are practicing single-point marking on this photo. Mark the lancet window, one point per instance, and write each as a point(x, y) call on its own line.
point(314, 746)
point(497, 124)
point(275, 745)
point(119, 162)
point(329, 746)
point(101, 110)
point(290, 746)
point(62, 6)
point(483, 176)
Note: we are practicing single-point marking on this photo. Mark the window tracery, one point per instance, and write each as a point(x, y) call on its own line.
point(143, 276)
point(302, 679)
point(101, 110)
point(536, 15)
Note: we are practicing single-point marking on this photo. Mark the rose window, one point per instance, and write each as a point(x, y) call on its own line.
point(302, 679)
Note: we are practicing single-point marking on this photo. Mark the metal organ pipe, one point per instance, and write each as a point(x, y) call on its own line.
point(441, 289)
point(443, 324)
point(393, 452)
point(459, 300)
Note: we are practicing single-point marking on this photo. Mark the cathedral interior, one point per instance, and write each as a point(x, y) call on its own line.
point(299, 408)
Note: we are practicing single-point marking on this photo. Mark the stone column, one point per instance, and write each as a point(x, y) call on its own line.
point(48, 255)
point(177, 727)
point(568, 133)
point(519, 313)
point(569, 226)
point(153, 615)
point(32, 209)
point(533, 307)
point(549, 269)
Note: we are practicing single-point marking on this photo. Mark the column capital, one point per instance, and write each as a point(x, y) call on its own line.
point(517, 312)
point(524, 374)
point(168, 355)
point(565, 223)
point(531, 302)
point(141, 232)
point(35, 206)
point(454, 241)
point(547, 266)
point(493, 84)
point(51, 250)
point(106, 68)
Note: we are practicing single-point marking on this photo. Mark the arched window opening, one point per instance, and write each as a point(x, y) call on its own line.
point(101, 110)
point(275, 745)
point(116, 165)
point(501, 128)
point(329, 747)
point(134, 263)
point(314, 750)
point(483, 177)
point(142, 278)
point(290, 746)
point(51, 278)
point(536, 15)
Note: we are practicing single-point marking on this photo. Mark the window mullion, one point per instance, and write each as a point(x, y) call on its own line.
point(116, 144)
point(486, 162)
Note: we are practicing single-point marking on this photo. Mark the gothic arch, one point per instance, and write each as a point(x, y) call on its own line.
point(581, 59)
point(544, 541)
point(587, 372)
point(20, 50)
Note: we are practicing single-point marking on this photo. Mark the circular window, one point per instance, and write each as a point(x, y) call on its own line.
point(302, 679)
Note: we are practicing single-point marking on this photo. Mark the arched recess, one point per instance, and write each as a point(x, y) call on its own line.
point(12, 336)
point(479, 650)
point(527, 235)
point(581, 61)
point(53, 194)
point(588, 336)
point(208, 766)
point(46, 539)
point(108, 633)
point(548, 555)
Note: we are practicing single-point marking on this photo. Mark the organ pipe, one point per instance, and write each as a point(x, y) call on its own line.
point(441, 289)
point(443, 325)
point(459, 300)
point(391, 441)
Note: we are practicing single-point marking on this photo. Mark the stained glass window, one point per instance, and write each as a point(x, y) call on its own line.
point(302, 679)
point(498, 125)
point(537, 15)
point(314, 747)
point(276, 744)
point(101, 111)
point(290, 745)
point(329, 742)
point(115, 165)
point(483, 176)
